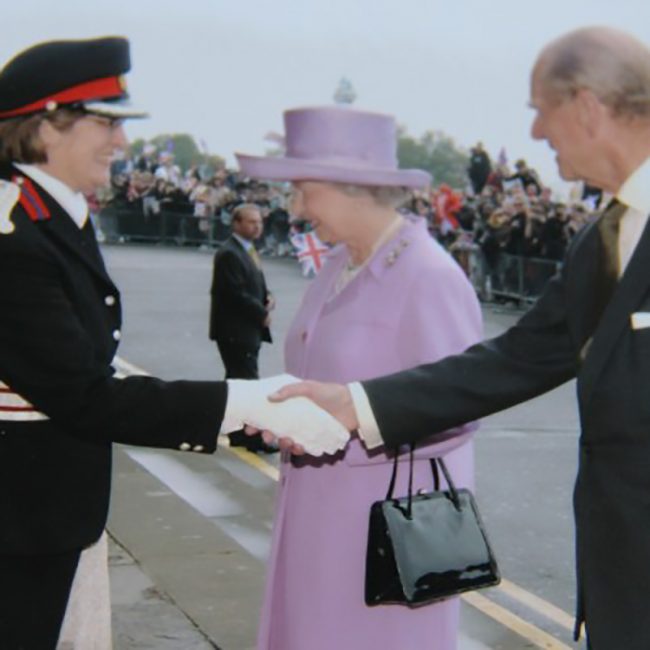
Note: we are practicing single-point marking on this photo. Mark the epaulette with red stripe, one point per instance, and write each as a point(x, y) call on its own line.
point(30, 200)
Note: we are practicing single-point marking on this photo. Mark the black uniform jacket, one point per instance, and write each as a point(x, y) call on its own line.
point(239, 295)
point(59, 325)
point(612, 493)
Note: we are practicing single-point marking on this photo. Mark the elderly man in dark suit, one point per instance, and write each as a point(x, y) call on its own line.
point(240, 310)
point(590, 91)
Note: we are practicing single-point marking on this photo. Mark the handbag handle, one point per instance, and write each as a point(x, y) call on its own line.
point(435, 462)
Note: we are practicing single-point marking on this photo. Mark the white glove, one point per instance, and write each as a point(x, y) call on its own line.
point(297, 418)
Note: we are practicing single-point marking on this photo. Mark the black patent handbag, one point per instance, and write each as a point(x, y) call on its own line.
point(426, 547)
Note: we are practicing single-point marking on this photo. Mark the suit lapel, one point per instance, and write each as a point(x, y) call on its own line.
point(634, 283)
point(244, 255)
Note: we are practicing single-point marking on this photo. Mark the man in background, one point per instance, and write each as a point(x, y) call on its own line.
point(240, 310)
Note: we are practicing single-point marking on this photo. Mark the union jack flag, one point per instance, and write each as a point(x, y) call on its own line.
point(310, 252)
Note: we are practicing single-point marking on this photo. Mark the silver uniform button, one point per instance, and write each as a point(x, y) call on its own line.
point(109, 301)
point(185, 446)
point(117, 335)
point(198, 448)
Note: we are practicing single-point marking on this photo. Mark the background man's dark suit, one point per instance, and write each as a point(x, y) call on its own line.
point(238, 310)
point(612, 494)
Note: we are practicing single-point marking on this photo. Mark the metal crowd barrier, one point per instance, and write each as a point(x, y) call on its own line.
point(166, 227)
point(511, 278)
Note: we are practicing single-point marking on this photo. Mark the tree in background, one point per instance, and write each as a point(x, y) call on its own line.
point(436, 153)
point(185, 149)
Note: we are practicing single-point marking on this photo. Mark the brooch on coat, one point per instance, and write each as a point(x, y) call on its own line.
point(393, 254)
point(9, 196)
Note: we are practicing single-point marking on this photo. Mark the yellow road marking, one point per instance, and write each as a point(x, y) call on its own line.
point(537, 604)
point(513, 622)
point(255, 461)
point(491, 609)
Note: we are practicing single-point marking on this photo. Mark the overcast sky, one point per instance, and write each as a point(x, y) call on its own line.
point(224, 70)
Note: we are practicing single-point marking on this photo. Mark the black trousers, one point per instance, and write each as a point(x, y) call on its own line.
point(34, 593)
point(239, 360)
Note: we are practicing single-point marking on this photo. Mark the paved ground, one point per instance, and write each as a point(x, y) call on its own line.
point(192, 531)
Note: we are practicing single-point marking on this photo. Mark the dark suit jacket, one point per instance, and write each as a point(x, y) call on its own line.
point(612, 493)
point(238, 298)
point(59, 314)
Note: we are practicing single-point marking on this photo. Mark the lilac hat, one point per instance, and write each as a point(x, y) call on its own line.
point(336, 144)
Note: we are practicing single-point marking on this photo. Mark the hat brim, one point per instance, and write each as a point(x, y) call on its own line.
point(114, 109)
point(299, 169)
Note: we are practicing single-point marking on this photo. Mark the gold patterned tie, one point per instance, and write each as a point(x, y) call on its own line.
point(608, 227)
point(607, 276)
point(252, 251)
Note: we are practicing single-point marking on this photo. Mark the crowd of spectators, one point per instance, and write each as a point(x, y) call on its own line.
point(503, 214)
point(506, 222)
point(151, 198)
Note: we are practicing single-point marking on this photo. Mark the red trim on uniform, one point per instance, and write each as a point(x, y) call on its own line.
point(30, 200)
point(29, 207)
point(106, 88)
point(28, 186)
point(15, 409)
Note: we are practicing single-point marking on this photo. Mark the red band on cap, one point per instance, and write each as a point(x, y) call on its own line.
point(107, 88)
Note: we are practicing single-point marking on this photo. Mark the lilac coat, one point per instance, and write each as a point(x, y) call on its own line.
point(412, 304)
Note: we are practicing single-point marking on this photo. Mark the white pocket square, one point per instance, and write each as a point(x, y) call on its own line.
point(640, 320)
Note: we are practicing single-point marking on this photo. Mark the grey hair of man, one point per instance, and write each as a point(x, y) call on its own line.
point(612, 64)
point(243, 208)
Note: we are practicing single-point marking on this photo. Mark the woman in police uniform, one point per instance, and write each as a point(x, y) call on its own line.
point(61, 106)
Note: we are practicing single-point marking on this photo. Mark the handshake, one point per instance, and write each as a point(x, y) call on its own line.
point(298, 420)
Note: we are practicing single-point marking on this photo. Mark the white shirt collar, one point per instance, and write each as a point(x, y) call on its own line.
point(244, 242)
point(74, 203)
point(635, 192)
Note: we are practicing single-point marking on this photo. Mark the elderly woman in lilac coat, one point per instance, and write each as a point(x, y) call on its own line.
point(388, 298)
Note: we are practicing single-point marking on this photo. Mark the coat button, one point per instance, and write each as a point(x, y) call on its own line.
point(198, 448)
point(109, 301)
point(185, 446)
point(303, 336)
point(117, 335)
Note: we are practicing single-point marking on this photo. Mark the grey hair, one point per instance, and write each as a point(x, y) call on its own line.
point(238, 212)
point(612, 64)
point(386, 196)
